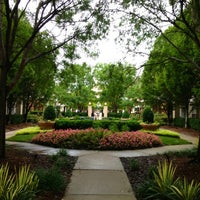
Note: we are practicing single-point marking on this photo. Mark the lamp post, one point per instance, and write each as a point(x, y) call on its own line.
point(105, 110)
point(89, 109)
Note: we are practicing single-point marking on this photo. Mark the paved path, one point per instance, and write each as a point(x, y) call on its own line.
point(99, 175)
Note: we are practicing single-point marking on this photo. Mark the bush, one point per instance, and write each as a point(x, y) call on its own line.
point(134, 164)
point(114, 115)
point(148, 116)
point(49, 113)
point(194, 124)
point(68, 113)
point(179, 122)
point(161, 118)
point(129, 140)
point(125, 114)
point(165, 186)
point(130, 125)
point(32, 118)
point(15, 119)
point(51, 179)
point(97, 139)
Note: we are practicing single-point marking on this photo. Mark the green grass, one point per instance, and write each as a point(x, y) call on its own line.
point(166, 140)
point(163, 132)
point(26, 134)
point(22, 138)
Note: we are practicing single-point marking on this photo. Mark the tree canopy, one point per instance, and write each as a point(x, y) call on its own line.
point(80, 21)
point(113, 80)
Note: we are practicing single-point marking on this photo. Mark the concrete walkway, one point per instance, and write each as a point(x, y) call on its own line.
point(99, 175)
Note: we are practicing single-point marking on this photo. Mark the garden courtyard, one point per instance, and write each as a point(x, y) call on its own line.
point(137, 165)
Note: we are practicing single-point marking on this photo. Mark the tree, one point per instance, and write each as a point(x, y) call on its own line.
point(145, 20)
point(39, 77)
point(80, 20)
point(173, 81)
point(75, 86)
point(133, 95)
point(113, 80)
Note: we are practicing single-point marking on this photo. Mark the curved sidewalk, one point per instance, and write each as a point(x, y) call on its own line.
point(99, 175)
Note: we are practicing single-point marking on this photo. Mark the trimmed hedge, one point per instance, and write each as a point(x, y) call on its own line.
point(179, 122)
point(192, 123)
point(129, 125)
point(15, 119)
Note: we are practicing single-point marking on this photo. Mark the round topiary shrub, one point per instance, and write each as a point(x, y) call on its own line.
point(125, 114)
point(49, 113)
point(148, 116)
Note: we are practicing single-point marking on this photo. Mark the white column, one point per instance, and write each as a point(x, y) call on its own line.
point(90, 110)
point(105, 110)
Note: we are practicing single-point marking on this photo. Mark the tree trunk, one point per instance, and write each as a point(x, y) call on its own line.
point(2, 111)
point(170, 112)
point(198, 149)
point(186, 115)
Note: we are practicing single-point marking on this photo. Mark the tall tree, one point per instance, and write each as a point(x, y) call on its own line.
point(75, 86)
point(39, 76)
point(80, 20)
point(144, 20)
point(113, 80)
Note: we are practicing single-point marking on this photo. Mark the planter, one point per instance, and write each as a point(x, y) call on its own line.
point(150, 127)
point(46, 125)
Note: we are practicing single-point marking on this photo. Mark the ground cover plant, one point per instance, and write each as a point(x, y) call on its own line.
point(173, 176)
point(97, 139)
point(52, 171)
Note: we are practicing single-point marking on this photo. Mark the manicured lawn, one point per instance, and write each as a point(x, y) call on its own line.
point(22, 138)
point(166, 140)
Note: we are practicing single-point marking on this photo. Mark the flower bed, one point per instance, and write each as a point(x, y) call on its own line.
point(130, 140)
point(97, 139)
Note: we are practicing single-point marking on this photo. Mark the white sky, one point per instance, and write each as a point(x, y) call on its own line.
point(110, 52)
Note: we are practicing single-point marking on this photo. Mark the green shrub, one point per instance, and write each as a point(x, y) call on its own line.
point(179, 122)
point(186, 191)
point(134, 165)
point(125, 127)
point(147, 115)
point(113, 127)
point(49, 113)
point(114, 115)
point(125, 114)
point(36, 112)
point(163, 180)
point(130, 125)
point(51, 179)
point(194, 124)
point(161, 118)
point(165, 186)
point(15, 119)
point(60, 159)
point(21, 185)
point(32, 118)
